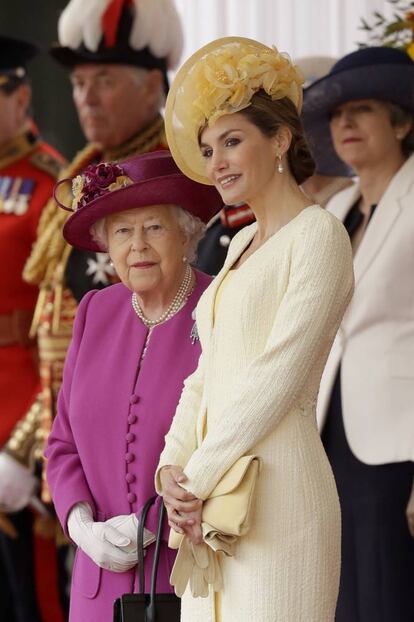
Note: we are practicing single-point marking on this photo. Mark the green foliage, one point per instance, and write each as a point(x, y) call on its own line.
point(397, 32)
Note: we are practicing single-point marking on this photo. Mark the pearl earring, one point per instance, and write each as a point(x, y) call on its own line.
point(280, 168)
point(185, 259)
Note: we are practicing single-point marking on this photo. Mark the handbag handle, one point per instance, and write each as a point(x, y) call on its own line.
point(140, 543)
point(151, 610)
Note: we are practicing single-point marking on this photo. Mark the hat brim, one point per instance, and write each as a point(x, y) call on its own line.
point(15, 53)
point(182, 138)
point(172, 189)
point(393, 83)
point(70, 58)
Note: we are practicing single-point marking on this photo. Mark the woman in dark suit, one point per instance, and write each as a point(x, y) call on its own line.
point(362, 111)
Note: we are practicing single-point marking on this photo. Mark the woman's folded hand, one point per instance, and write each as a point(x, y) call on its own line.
point(127, 525)
point(183, 508)
point(102, 542)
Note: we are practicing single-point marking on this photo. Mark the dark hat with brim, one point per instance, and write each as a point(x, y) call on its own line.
point(153, 178)
point(14, 56)
point(381, 73)
point(119, 55)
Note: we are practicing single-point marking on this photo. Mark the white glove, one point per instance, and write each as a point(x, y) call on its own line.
point(104, 544)
point(127, 525)
point(17, 484)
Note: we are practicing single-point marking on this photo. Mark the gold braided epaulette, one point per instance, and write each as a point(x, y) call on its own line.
point(47, 162)
point(22, 441)
point(49, 247)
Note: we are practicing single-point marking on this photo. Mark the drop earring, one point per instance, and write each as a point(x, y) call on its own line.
point(280, 168)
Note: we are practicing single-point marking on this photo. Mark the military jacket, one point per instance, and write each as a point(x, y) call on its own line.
point(28, 171)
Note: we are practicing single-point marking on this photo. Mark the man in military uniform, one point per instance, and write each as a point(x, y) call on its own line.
point(28, 171)
point(117, 58)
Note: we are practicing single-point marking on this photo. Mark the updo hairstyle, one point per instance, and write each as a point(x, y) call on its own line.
point(269, 116)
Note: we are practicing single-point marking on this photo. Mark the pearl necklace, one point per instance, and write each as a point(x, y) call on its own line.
point(181, 295)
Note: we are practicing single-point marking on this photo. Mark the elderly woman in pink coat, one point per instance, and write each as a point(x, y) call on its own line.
point(134, 343)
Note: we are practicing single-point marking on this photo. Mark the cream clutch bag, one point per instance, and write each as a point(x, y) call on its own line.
point(226, 516)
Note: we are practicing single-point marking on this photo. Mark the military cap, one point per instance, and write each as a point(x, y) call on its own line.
point(14, 56)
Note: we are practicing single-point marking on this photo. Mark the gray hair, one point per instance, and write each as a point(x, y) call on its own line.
point(138, 75)
point(192, 227)
point(399, 116)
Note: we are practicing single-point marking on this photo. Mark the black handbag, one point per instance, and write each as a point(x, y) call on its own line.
point(150, 607)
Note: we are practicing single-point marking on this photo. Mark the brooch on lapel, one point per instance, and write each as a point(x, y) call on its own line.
point(194, 331)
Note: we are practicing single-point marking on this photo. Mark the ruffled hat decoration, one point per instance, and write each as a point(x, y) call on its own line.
point(143, 33)
point(221, 78)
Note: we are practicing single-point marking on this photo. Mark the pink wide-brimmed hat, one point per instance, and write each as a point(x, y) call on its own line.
point(144, 180)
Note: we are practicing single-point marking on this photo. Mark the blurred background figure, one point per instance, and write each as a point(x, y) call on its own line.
point(330, 176)
point(362, 111)
point(28, 169)
point(212, 250)
point(117, 61)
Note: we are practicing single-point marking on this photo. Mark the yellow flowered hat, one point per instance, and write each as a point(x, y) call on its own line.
point(221, 78)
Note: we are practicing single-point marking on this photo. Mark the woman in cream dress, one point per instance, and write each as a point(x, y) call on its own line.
point(266, 325)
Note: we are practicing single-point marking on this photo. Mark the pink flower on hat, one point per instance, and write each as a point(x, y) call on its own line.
point(96, 181)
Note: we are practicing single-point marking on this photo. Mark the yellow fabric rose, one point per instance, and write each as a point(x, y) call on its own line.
point(225, 81)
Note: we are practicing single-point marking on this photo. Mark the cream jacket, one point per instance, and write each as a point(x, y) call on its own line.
point(258, 379)
point(375, 343)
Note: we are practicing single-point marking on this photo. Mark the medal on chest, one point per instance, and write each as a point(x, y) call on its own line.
point(15, 195)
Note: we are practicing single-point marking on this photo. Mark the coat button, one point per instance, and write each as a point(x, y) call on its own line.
point(129, 457)
point(134, 399)
point(130, 437)
point(131, 497)
point(130, 478)
point(132, 418)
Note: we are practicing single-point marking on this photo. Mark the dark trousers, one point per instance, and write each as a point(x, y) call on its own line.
point(6, 600)
point(17, 577)
point(377, 571)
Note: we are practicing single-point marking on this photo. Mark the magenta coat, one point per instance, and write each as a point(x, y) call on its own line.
point(109, 431)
